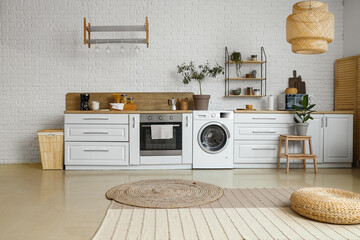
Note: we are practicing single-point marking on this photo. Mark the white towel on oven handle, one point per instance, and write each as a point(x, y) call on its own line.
point(161, 131)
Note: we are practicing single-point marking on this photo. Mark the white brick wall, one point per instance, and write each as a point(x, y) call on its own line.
point(43, 57)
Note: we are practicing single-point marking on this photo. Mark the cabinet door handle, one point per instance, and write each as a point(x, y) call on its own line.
point(133, 122)
point(95, 118)
point(326, 121)
point(187, 121)
point(96, 150)
point(95, 132)
point(263, 131)
point(263, 148)
point(322, 122)
point(264, 118)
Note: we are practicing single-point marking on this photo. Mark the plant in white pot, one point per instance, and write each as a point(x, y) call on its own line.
point(303, 115)
point(199, 73)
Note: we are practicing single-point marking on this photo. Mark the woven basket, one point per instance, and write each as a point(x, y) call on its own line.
point(327, 205)
point(51, 144)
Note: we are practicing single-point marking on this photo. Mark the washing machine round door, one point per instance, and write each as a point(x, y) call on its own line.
point(213, 137)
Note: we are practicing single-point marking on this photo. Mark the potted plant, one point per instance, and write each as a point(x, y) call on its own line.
point(191, 72)
point(303, 115)
point(236, 58)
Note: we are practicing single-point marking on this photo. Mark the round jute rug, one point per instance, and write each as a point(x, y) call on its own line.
point(165, 193)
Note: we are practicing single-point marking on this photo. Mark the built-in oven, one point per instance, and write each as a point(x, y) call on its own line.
point(169, 143)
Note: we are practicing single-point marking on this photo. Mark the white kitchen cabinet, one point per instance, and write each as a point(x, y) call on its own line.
point(96, 140)
point(96, 132)
point(187, 138)
point(97, 153)
point(255, 151)
point(332, 138)
point(338, 138)
point(263, 118)
point(257, 137)
point(262, 131)
point(103, 118)
point(134, 138)
point(316, 131)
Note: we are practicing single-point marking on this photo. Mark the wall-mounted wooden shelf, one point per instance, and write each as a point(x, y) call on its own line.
point(244, 79)
point(124, 28)
point(254, 96)
point(261, 79)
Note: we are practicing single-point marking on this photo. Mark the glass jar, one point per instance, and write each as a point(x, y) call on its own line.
point(123, 98)
point(130, 100)
point(253, 57)
point(249, 91)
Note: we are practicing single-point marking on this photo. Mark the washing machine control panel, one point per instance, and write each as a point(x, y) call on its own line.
point(213, 114)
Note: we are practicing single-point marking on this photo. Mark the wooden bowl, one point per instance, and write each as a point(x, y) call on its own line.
point(249, 107)
point(291, 91)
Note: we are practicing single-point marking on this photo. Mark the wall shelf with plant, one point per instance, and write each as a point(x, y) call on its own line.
point(237, 59)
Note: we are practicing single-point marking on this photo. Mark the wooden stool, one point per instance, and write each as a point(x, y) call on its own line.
point(302, 155)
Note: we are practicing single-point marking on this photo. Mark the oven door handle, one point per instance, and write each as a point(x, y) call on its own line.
point(175, 125)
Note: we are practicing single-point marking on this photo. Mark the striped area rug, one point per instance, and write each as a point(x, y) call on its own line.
point(259, 213)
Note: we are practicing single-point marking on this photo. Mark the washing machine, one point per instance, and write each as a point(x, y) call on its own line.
point(213, 139)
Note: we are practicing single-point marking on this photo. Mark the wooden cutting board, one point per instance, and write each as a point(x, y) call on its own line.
point(293, 80)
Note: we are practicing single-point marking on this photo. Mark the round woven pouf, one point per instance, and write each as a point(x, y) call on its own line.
point(327, 205)
point(165, 193)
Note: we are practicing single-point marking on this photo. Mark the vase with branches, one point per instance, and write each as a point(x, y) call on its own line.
point(199, 73)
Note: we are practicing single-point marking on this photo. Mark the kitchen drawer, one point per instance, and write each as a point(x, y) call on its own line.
point(97, 118)
point(263, 118)
point(262, 131)
point(96, 133)
point(256, 152)
point(96, 153)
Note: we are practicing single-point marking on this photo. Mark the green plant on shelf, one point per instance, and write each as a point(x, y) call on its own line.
point(236, 57)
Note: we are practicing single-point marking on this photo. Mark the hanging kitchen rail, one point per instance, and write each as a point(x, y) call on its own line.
point(262, 78)
point(124, 28)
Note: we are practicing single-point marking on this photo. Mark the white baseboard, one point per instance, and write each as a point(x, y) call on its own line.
point(147, 167)
point(293, 165)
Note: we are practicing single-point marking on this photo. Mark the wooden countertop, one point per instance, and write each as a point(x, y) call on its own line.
point(287, 112)
point(190, 111)
point(124, 112)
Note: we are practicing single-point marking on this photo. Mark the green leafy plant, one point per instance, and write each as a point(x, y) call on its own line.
point(199, 73)
point(304, 114)
point(236, 57)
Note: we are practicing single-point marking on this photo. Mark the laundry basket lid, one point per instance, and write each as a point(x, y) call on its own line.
point(51, 131)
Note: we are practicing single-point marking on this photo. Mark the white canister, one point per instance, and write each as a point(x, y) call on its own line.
point(95, 105)
point(271, 102)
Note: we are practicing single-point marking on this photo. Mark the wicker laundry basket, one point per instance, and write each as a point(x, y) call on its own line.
point(51, 143)
point(327, 205)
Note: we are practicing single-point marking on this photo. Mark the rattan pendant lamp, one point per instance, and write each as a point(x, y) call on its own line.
point(310, 27)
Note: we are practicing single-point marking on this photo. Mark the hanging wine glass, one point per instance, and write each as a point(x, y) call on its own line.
point(122, 48)
point(137, 49)
point(108, 50)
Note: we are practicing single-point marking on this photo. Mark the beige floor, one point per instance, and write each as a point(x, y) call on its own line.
point(36, 204)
